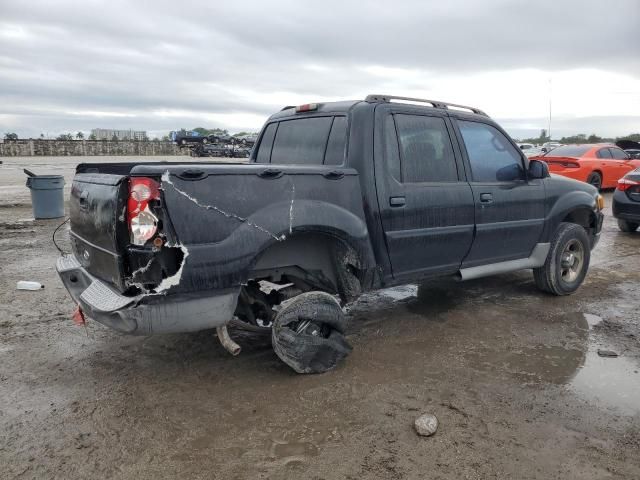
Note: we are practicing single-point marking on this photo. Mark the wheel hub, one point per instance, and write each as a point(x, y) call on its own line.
point(572, 261)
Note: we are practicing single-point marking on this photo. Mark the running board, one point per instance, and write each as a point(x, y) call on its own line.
point(536, 259)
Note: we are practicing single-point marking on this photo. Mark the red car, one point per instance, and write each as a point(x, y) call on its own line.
point(601, 165)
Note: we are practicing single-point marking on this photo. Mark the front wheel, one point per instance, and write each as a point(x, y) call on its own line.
point(627, 226)
point(567, 261)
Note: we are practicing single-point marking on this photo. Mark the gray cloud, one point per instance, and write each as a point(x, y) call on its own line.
point(61, 64)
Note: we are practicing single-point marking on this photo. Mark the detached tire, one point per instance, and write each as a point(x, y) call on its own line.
point(308, 333)
point(567, 262)
point(626, 226)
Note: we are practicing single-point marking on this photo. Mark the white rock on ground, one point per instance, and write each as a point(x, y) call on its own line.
point(426, 425)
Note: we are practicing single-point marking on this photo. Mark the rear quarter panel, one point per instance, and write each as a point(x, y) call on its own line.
point(227, 218)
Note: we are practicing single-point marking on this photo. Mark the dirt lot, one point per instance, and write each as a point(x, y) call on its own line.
point(512, 374)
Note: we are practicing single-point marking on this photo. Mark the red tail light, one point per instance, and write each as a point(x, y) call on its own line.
point(143, 224)
point(625, 184)
point(570, 165)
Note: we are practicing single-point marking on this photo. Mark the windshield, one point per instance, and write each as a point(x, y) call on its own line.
point(569, 151)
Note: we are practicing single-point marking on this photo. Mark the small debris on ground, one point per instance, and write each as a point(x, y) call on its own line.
point(426, 425)
point(607, 353)
point(26, 285)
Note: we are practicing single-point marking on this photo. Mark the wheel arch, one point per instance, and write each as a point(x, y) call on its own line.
point(327, 260)
point(599, 172)
point(577, 207)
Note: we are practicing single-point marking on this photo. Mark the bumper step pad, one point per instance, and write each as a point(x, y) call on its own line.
point(102, 298)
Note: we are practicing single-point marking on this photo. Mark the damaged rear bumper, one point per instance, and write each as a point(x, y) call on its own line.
point(145, 314)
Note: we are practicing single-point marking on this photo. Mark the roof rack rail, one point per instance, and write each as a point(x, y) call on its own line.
point(287, 108)
point(434, 103)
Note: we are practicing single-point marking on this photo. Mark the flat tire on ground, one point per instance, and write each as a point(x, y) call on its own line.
point(308, 333)
point(567, 262)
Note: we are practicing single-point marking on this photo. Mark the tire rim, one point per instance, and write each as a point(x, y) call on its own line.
point(595, 181)
point(571, 261)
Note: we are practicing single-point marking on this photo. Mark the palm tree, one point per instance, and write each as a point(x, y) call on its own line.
point(79, 135)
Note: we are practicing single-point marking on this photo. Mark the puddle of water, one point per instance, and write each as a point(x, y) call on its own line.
point(293, 451)
point(612, 382)
point(537, 364)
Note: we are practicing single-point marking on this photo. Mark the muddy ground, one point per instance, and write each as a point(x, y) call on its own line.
point(512, 374)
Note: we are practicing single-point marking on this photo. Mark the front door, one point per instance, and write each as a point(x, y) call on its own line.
point(425, 203)
point(509, 208)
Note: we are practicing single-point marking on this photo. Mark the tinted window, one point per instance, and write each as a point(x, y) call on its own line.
point(337, 142)
point(264, 151)
point(392, 155)
point(618, 154)
point(604, 153)
point(425, 149)
point(492, 157)
point(570, 151)
point(301, 141)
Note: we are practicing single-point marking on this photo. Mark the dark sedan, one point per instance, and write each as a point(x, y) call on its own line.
point(626, 201)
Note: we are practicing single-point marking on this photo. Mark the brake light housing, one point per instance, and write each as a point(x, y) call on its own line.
point(625, 184)
point(143, 224)
point(307, 107)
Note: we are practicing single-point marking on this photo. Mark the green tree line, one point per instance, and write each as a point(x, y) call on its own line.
point(580, 138)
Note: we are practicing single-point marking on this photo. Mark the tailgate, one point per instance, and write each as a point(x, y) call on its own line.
point(98, 224)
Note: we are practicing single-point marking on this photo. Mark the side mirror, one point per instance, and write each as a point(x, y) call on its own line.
point(538, 169)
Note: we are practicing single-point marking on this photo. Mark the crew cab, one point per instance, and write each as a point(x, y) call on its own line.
point(337, 199)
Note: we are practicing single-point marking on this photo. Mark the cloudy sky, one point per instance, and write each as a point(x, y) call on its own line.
point(162, 65)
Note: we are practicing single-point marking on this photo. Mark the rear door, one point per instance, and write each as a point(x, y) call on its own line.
point(425, 203)
point(509, 209)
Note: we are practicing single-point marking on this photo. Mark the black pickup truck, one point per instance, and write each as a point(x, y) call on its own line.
point(337, 199)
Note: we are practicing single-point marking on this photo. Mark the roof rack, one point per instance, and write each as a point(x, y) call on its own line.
point(434, 103)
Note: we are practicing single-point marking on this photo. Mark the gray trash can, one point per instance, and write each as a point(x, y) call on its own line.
point(47, 195)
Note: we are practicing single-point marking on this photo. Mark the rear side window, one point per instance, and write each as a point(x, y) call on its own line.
point(337, 142)
point(425, 149)
point(301, 141)
point(604, 153)
point(304, 141)
point(264, 150)
point(618, 154)
point(492, 157)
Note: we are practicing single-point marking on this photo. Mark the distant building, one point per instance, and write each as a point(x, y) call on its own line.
point(107, 134)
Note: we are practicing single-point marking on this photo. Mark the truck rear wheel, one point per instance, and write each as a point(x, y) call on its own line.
point(308, 333)
point(567, 261)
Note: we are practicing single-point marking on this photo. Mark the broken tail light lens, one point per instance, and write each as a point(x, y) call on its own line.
point(625, 184)
point(143, 224)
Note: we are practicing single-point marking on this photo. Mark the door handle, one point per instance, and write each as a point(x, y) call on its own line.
point(397, 201)
point(486, 198)
point(270, 173)
point(333, 175)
